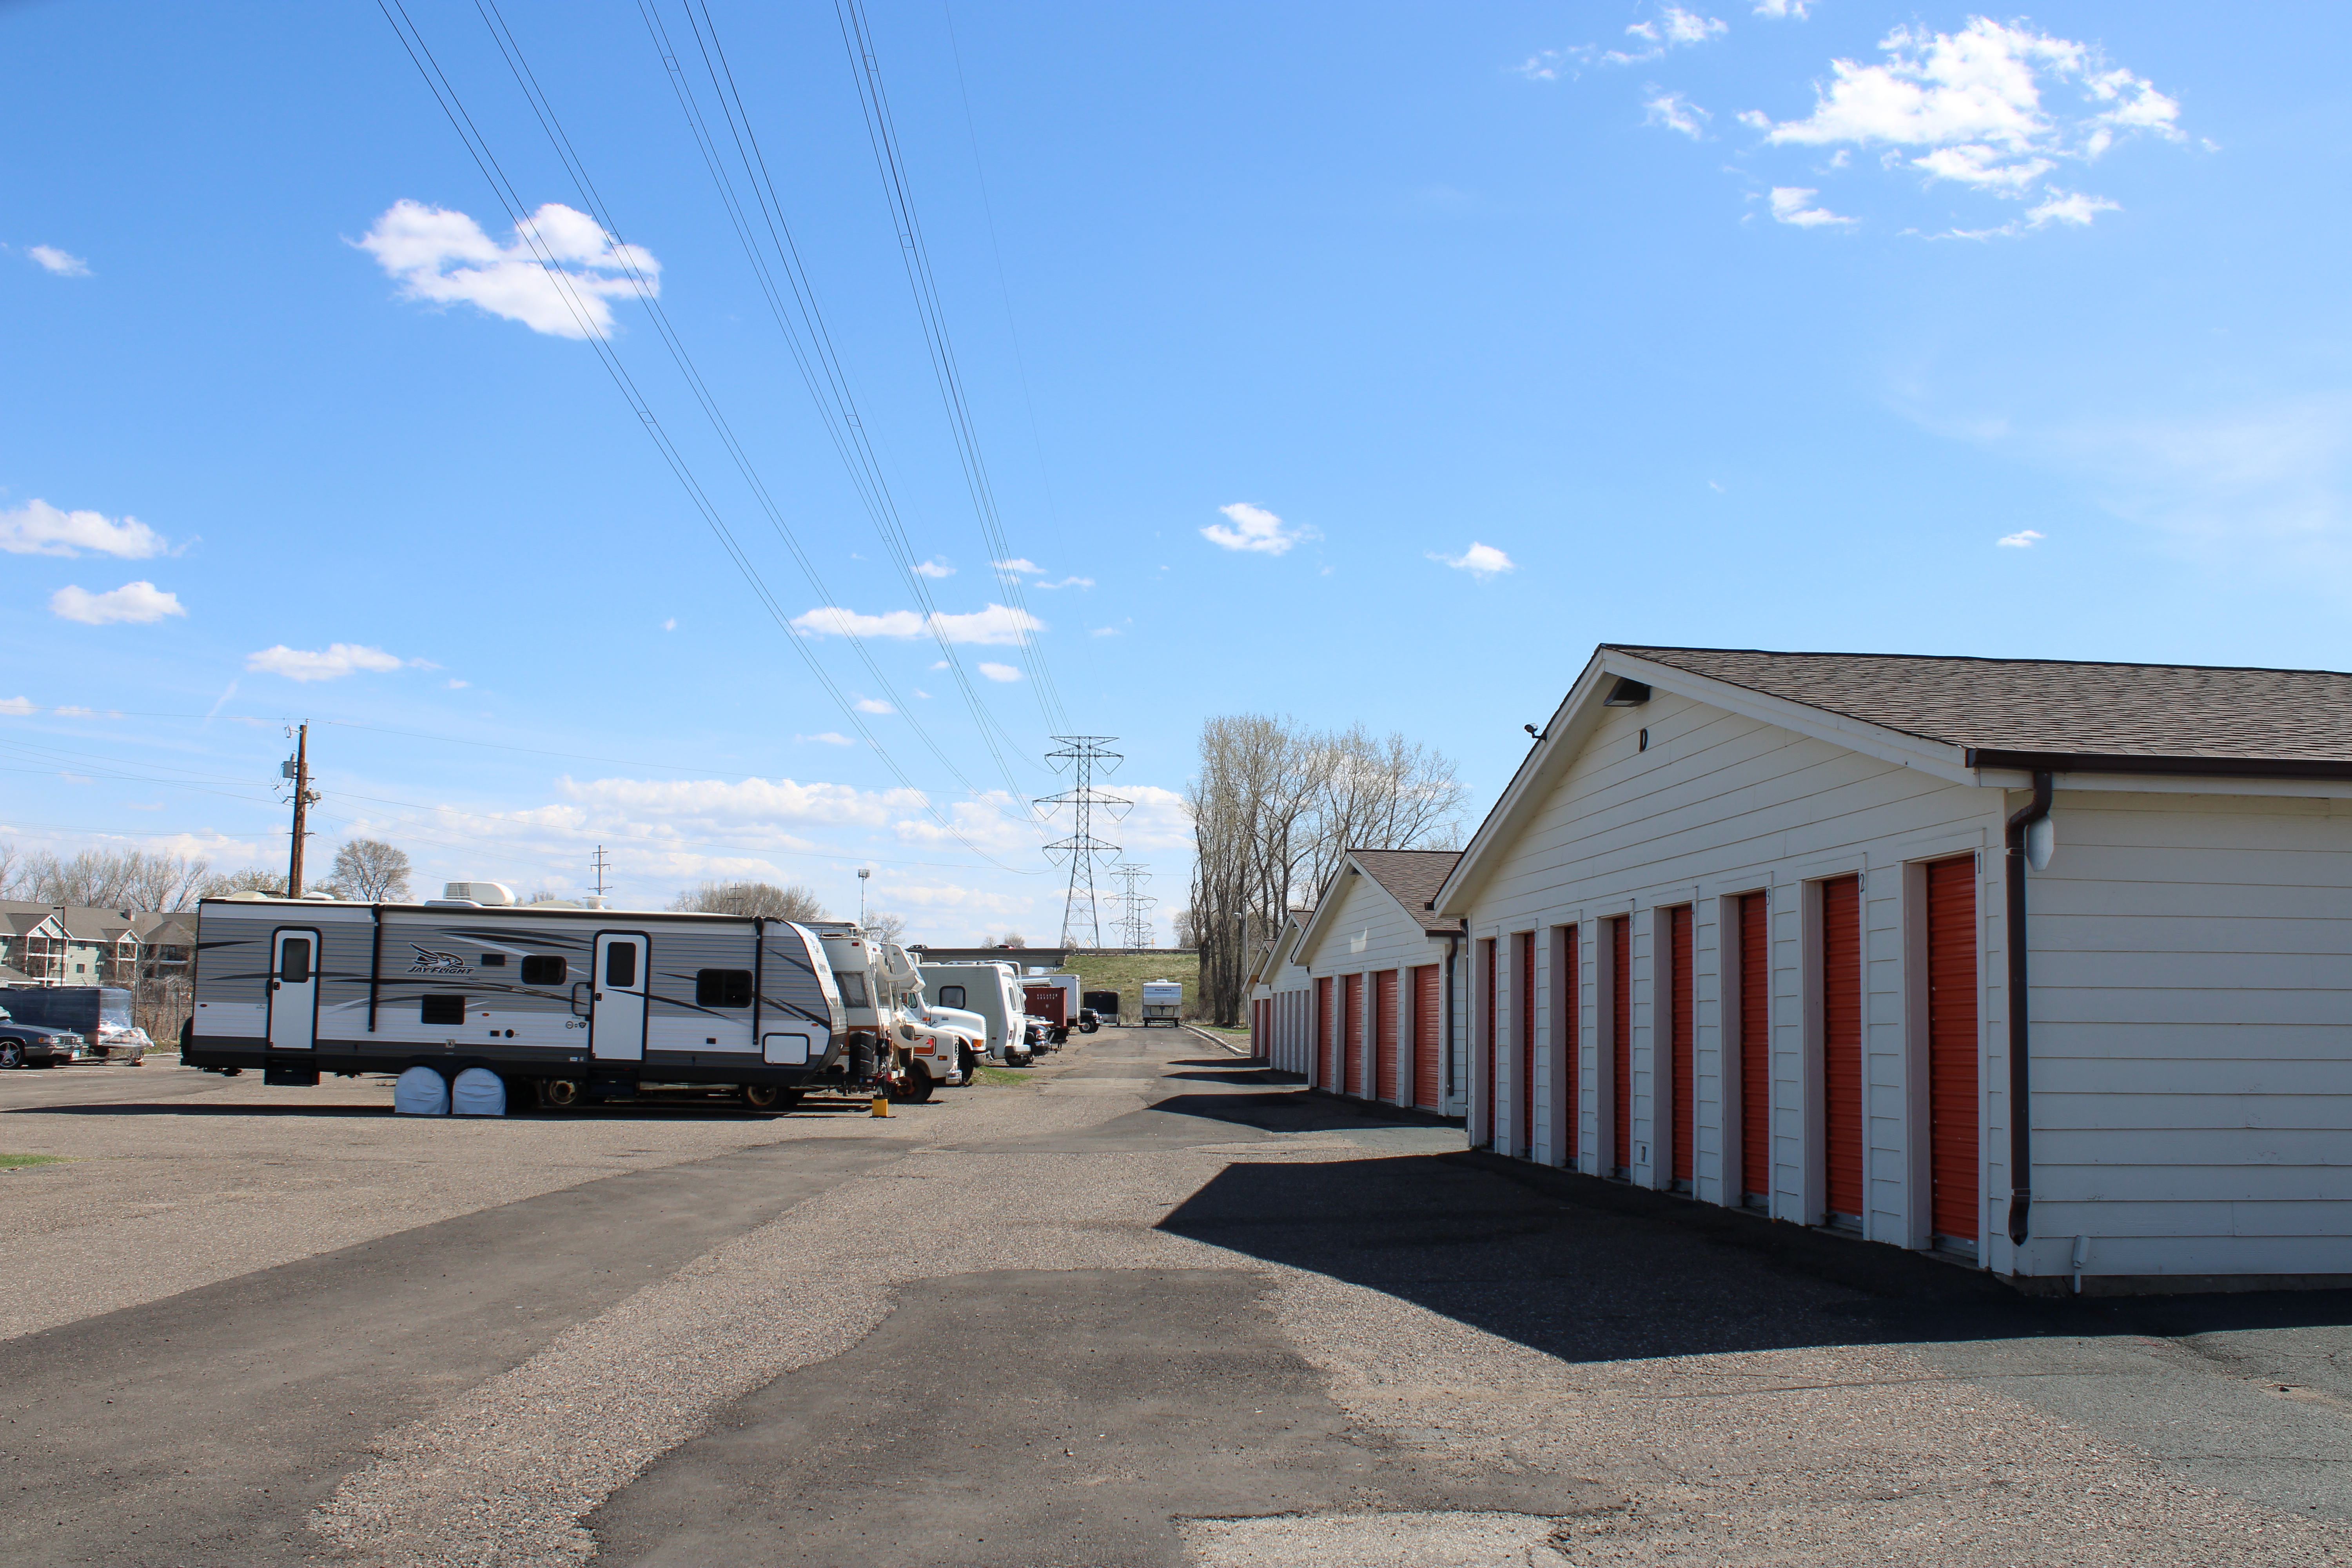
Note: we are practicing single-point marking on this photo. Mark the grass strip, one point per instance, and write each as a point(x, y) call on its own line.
point(12, 1162)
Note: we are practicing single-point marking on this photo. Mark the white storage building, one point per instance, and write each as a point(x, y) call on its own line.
point(1369, 978)
point(1741, 927)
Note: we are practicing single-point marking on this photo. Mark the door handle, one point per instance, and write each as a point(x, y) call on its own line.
point(273, 986)
point(600, 996)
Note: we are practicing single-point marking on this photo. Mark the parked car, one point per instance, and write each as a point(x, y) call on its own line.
point(1041, 1034)
point(100, 1015)
point(38, 1045)
point(1089, 1021)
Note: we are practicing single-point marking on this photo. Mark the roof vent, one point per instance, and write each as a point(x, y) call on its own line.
point(1627, 694)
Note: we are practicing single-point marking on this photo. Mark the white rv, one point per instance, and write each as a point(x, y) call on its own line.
point(990, 990)
point(563, 1003)
point(1163, 1003)
point(882, 994)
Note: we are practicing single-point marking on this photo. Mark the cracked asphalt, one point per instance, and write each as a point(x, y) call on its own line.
point(1149, 1307)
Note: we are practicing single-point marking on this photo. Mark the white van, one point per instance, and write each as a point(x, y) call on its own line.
point(990, 990)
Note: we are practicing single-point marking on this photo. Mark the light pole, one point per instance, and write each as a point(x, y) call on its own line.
point(863, 872)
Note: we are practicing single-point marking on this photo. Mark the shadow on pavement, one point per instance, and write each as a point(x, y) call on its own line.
point(1286, 1111)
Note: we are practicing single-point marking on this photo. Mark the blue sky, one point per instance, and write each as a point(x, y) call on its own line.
point(1361, 363)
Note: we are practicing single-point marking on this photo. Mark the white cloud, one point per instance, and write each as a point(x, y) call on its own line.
point(58, 261)
point(77, 712)
point(443, 256)
point(717, 802)
point(1104, 632)
point(332, 663)
point(17, 706)
point(1017, 564)
point(1480, 560)
point(2024, 539)
point(1255, 530)
point(1782, 10)
point(829, 737)
point(137, 603)
point(1546, 65)
point(1067, 583)
point(1788, 206)
point(1674, 28)
point(1675, 112)
point(36, 528)
point(1974, 107)
point(999, 672)
point(935, 568)
point(670, 625)
point(454, 684)
point(873, 705)
point(918, 691)
point(995, 625)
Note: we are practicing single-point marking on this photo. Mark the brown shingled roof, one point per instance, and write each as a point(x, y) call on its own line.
point(2027, 713)
point(1411, 877)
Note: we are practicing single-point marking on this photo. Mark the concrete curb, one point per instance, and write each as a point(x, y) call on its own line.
point(1217, 1040)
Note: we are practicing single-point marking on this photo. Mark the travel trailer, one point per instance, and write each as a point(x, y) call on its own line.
point(563, 1003)
point(1163, 1003)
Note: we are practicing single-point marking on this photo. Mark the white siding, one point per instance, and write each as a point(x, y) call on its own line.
point(1368, 931)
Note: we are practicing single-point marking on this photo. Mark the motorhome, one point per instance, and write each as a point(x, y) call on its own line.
point(992, 991)
point(565, 1004)
point(882, 995)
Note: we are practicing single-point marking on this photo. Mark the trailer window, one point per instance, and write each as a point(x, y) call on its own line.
point(441, 1010)
point(543, 969)
point(951, 995)
point(853, 989)
point(294, 961)
point(494, 961)
point(723, 988)
point(621, 965)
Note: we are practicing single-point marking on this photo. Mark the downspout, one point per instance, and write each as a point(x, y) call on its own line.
point(1450, 950)
point(2021, 1110)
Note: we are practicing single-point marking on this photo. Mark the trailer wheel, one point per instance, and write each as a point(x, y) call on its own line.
point(915, 1087)
point(562, 1093)
point(770, 1097)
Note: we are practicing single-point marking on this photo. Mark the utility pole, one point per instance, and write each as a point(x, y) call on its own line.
point(865, 874)
point(298, 770)
point(600, 864)
point(1083, 755)
point(1134, 925)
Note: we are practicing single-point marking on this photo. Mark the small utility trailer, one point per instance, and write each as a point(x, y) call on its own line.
point(563, 1003)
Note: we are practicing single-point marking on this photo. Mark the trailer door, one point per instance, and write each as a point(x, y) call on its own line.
point(616, 1014)
point(293, 991)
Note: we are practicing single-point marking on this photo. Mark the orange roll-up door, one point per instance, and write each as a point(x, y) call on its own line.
point(1523, 1013)
point(1351, 1034)
point(1384, 1034)
point(1681, 999)
point(1620, 1040)
point(1326, 1019)
point(1755, 1045)
point(1952, 1047)
point(1487, 1031)
point(1841, 1042)
point(1428, 1038)
point(1565, 1010)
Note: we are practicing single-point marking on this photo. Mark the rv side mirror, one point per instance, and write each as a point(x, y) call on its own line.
point(579, 999)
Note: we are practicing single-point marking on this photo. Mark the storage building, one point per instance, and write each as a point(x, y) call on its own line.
point(1374, 971)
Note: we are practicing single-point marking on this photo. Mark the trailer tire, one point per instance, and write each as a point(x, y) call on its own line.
point(562, 1093)
point(915, 1087)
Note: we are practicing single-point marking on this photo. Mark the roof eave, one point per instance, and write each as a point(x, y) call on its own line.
point(1987, 757)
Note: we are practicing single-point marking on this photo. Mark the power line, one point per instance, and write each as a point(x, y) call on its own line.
point(881, 132)
point(478, 147)
point(1084, 754)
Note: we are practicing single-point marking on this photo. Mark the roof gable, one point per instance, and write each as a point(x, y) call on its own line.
point(1385, 872)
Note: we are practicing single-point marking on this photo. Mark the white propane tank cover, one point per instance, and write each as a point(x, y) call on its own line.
point(478, 1091)
point(2040, 838)
point(421, 1092)
point(496, 894)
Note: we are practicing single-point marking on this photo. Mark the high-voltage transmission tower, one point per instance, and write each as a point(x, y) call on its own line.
point(1083, 756)
point(1133, 925)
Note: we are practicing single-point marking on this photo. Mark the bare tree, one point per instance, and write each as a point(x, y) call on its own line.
point(250, 879)
point(369, 870)
point(1010, 939)
point(107, 879)
point(762, 899)
point(11, 870)
point(1274, 810)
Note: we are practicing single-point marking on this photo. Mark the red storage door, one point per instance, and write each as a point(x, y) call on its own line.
point(1952, 1177)
point(1523, 1016)
point(1428, 1038)
point(1621, 1044)
point(1351, 1034)
point(1326, 1020)
point(1841, 1044)
point(1680, 1003)
point(1384, 1036)
point(1756, 1045)
point(1487, 1032)
point(1564, 1009)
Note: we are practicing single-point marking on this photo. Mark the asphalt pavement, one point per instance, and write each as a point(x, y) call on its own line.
point(1149, 1306)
